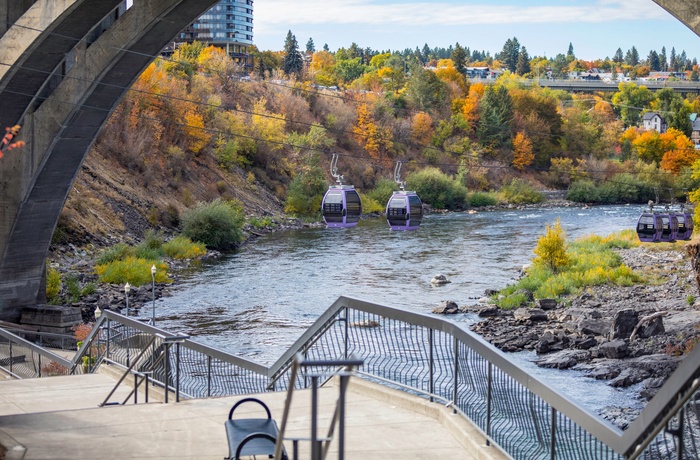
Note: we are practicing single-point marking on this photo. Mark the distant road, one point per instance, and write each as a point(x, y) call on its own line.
point(590, 86)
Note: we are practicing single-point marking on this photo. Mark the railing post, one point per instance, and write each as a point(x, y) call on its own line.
point(39, 365)
point(431, 387)
point(11, 356)
point(456, 376)
point(315, 451)
point(347, 331)
point(177, 370)
point(136, 388)
point(553, 434)
point(109, 337)
point(208, 376)
point(167, 366)
point(488, 404)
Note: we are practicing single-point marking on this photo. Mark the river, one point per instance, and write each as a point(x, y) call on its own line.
point(259, 300)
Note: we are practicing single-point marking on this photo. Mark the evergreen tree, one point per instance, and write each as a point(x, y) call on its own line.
point(618, 56)
point(663, 60)
point(509, 55)
point(694, 76)
point(682, 62)
point(497, 117)
point(570, 53)
point(523, 65)
point(425, 53)
point(653, 61)
point(293, 63)
point(673, 60)
point(459, 58)
point(310, 47)
point(632, 57)
point(679, 117)
point(326, 48)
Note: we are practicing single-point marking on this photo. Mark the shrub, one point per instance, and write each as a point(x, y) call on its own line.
point(481, 199)
point(53, 283)
point(583, 191)
point(182, 247)
point(217, 224)
point(306, 192)
point(73, 288)
point(116, 252)
point(437, 189)
point(144, 252)
point(370, 205)
point(136, 272)
point(382, 190)
point(153, 239)
point(551, 248)
point(519, 191)
point(261, 222)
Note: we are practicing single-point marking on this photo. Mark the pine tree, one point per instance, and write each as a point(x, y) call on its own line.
point(326, 48)
point(523, 65)
point(310, 47)
point(618, 56)
point(459, 58)
point(509, 54)
point(570, 53)
point(663, 60)
point(293, 62)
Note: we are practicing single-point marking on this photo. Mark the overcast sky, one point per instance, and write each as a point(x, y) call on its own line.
point(596, 28)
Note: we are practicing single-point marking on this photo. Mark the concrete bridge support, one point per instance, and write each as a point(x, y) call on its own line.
point(686, 11)
point(67, 63)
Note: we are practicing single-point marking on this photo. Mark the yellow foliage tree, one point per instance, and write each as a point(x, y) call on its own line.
point(422, 128)
point(374, 139)
point(197, 137)
point(522, 152)
point(267, 126)
point(551, 248)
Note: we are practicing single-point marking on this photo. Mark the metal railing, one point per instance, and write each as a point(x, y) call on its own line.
point(427, 356)
point(21, 358)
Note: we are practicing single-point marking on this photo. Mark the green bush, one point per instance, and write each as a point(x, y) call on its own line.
point(144, 252)
point(136, 272)
point(382, 190)
point(53, 283)
point(261, 222)
point(73, 288)
point(217, 224)
point(519, 191)
point(370, 205)
point(481, 199)
point(583, 191)
point(306, 193)
point(182, 247)
point(116, 252)
point(437, 189)
point(153, 239)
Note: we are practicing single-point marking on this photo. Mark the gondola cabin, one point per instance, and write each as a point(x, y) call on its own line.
point(404, 211)
point(685, 225)
point(669, 228)
point(341, 206)
point(649, 227)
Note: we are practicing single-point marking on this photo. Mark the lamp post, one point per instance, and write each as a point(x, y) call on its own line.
point(127, 288)
point(153, 277)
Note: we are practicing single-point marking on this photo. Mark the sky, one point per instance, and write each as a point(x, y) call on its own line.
point(595, 28)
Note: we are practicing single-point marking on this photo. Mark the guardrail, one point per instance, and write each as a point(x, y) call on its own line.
point(24, 359)
point(428, 356)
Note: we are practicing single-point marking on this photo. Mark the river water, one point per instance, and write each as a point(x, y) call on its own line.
point(259, 300)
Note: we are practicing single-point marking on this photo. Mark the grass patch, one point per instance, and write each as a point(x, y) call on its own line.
point(592, 261)
point(182, 247)
point(132, 270)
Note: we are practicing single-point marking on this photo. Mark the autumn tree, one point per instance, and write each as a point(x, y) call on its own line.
point(373, 138)
point(630, 100)
point(522, 152)
point(293, 62)
point(550, 251)
point(422, 128)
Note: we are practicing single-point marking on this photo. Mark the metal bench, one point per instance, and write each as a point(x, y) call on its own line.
point(252, 436)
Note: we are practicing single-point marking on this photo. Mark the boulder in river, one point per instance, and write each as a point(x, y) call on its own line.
point(447, 307)
point(439, 280)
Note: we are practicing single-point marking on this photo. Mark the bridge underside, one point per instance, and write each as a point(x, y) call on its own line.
point(686, 11)
point(67, 64)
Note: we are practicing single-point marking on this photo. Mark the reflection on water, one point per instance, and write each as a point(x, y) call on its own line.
point(258, 301)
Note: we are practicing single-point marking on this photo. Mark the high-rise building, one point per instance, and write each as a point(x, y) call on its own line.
point(228, 24)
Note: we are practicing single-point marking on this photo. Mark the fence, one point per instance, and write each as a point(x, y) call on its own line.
point(427, 356)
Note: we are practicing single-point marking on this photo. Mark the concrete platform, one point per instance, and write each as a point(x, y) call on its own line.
point(59, 418)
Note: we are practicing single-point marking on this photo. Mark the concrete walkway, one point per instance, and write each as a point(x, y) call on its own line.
point(59, 418)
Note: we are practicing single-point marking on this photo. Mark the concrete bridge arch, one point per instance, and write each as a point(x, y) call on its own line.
point(64, 66)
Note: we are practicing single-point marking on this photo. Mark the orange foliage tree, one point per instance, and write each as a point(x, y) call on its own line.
point(373, 138)
point(522, 152)
point(422, 128)
point(7, 143)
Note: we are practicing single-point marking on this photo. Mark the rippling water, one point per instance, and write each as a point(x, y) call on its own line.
point(258, 301)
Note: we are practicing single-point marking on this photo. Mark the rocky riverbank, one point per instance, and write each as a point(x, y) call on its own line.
point(623, 335)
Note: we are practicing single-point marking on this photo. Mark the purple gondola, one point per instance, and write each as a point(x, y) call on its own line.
point(341, 206)
point(669, 228)
point(649, 227)
point(685, 225)
point(404, 211)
